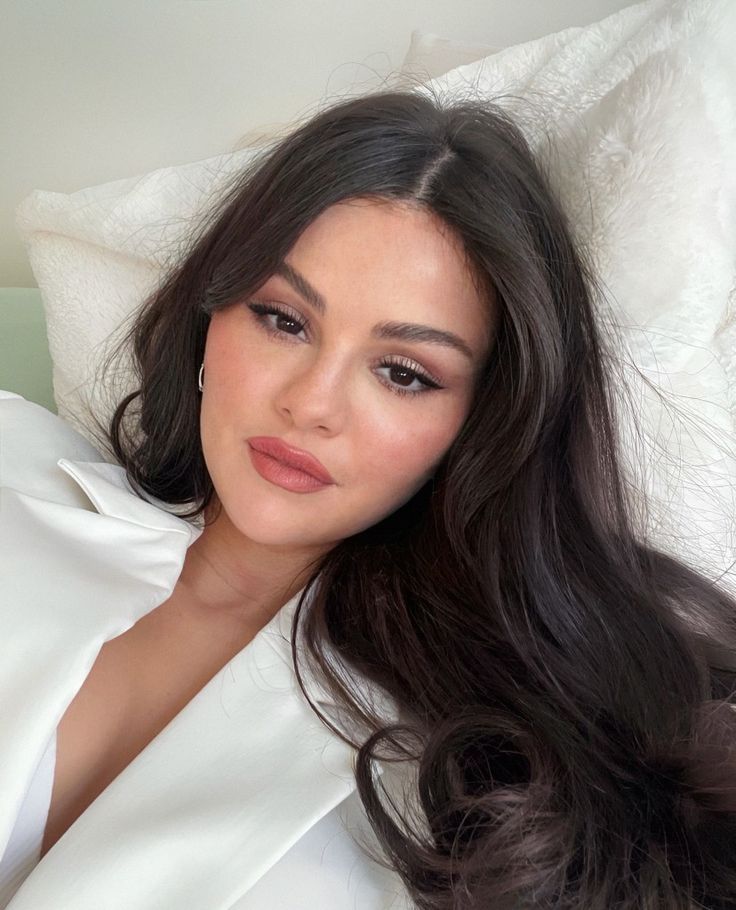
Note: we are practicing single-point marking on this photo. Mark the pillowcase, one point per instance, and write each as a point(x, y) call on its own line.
point(96, 254)
point(430, 55)
point(634, 120)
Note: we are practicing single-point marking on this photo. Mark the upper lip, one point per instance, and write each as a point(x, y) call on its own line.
point(295, 458)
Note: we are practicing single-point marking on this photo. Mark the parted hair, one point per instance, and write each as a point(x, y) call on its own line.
point(563, 704)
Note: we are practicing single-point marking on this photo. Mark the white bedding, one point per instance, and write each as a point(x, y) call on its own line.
point(639, 110)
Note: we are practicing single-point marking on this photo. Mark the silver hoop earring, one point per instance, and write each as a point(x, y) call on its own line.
point(201, 370)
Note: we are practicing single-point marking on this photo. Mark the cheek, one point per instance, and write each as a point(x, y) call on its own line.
point(396, 454)
point(238, 365)
point(400, 448)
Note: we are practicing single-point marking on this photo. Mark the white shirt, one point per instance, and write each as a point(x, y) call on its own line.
point(24, 847)
point(245, 800)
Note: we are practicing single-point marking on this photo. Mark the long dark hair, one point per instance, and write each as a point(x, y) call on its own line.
point(561, 702)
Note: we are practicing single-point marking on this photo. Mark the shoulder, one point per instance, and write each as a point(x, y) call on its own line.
point(32, 440)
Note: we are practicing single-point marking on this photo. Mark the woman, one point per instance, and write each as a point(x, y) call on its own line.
point(376, 381)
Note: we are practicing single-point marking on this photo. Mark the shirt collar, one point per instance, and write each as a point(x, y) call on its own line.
point(109, 490)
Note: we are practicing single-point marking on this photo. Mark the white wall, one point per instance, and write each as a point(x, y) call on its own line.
point(92, 91)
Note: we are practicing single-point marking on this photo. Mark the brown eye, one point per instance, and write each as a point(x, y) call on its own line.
point(399, 369)
point(262, 311)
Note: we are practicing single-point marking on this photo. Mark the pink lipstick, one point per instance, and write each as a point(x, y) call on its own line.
point(287, 467)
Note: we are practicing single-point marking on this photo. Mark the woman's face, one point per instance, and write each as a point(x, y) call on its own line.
point(329, 383)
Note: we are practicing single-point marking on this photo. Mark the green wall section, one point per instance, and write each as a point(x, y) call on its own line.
point(25, 362)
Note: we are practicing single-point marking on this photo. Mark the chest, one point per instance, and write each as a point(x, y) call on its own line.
point(139, 682)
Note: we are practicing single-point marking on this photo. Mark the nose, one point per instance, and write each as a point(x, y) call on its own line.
point(316, 395)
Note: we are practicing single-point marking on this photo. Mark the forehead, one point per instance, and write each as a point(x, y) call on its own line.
point(395, 254)
point(391, 227)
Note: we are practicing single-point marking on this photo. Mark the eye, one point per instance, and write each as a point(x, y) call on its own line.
point(405, 368)
point(261, 310)
point(400, 367)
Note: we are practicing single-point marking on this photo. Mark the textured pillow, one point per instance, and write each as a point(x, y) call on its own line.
point(430, 55)
point(97, 253)
point(634, 118)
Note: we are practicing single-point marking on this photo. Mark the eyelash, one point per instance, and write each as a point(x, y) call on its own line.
point(261, 310)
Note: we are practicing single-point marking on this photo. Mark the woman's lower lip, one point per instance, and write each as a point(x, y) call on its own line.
point(282, 475)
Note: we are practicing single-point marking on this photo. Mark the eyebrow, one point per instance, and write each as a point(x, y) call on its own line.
point(405, 331)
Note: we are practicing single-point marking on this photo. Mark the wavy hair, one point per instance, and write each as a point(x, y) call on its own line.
point(562, 699)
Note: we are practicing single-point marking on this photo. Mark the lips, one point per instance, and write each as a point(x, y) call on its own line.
point(295, 458)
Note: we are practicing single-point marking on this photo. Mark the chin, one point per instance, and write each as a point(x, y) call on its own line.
point(263, 519)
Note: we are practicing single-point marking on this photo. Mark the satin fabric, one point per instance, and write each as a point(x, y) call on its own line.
point(245, 800)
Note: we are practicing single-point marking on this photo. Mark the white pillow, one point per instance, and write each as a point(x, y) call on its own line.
point(430, 55)
point(641, 111)
point(97, 253)
point(634, 117)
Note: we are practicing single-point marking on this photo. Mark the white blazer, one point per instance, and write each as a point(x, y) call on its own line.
point(245, 800)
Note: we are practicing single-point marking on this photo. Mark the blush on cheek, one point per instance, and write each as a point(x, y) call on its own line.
point(409, 483)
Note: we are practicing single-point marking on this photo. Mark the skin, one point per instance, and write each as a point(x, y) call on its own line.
point(321, 388)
